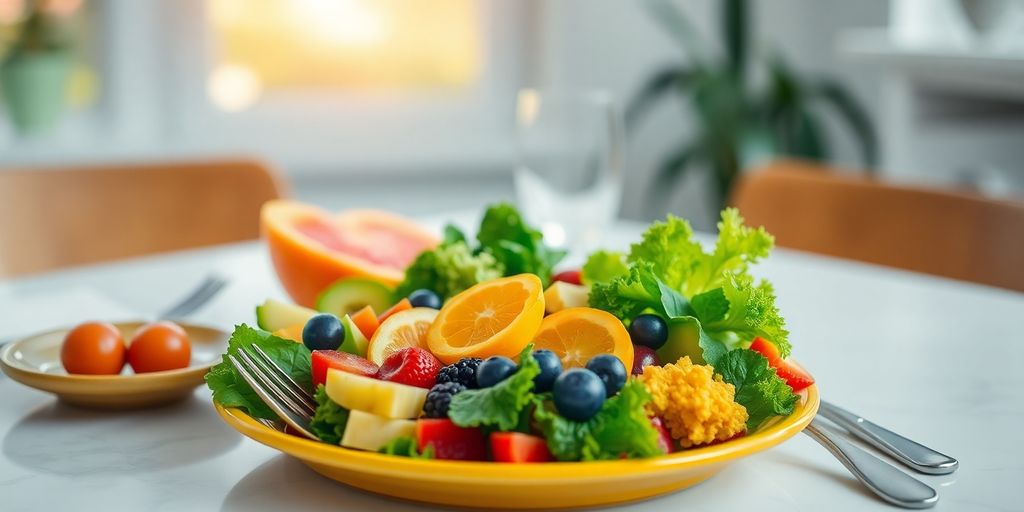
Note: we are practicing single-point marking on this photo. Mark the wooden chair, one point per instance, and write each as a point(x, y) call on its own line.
point(52, 218)
point(946, 233)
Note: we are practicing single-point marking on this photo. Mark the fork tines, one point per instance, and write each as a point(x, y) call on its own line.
point(276, 388)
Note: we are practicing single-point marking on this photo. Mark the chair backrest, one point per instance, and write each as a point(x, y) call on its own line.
point(953, 234)
point(57, 217)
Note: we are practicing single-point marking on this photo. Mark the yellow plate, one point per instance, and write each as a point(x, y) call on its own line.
point(523, 486)
point(35, 362)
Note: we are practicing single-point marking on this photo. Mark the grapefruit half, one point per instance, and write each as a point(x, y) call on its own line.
point(311, 248)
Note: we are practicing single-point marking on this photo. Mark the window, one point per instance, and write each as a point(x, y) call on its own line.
point(340, 45)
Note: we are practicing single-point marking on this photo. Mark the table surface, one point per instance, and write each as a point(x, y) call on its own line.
point(937, 360)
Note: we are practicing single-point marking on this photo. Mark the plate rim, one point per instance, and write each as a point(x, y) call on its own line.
point(316, 452)
point(18, 372)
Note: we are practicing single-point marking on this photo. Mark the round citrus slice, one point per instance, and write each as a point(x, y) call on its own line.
point(496, 317)
point(401, 330)
point(578, 334)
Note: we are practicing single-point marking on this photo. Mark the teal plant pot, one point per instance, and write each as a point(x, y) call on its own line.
point(34, 88)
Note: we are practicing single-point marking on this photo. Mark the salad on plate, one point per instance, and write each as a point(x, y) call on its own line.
point(482, 350)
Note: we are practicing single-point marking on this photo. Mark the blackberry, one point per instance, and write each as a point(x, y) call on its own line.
point(439, 398)
point(462, 372)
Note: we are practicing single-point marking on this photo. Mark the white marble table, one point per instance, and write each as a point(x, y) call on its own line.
point(938, 360)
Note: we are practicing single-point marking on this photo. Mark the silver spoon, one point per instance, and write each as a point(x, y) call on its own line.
point(882, 478)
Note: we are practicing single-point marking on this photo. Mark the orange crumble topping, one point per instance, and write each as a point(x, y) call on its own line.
point(695, 404)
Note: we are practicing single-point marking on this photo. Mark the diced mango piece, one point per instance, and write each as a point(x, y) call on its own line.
point(293, 333)
point(355, 342)
point(561, 295)
point(367, 431)
point(380, 397)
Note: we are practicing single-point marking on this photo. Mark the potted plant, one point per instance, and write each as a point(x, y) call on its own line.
point(34, 72)
point(740, 122)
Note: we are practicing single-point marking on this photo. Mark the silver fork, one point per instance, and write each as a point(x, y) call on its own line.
point(198, 297)
point(207, 290)
point(910, 453)
point(290, 401)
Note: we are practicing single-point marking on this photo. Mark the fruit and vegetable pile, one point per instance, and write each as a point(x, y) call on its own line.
point(481, 351)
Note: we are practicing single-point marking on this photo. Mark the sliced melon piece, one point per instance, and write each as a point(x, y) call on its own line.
point(561, 295)
point(346, 296)
point(365, 431)
point(355, 342)
point(383, 398)
point(274, 315)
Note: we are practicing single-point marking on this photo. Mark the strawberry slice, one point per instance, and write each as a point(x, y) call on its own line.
point(450, 441)
point(412, 366)
point(519, 447)
point(796, 377)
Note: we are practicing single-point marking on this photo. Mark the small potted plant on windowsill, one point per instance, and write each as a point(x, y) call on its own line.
point(35, 71)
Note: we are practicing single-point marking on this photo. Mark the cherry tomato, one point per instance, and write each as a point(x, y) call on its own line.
point(93, 348)
point(159, 346)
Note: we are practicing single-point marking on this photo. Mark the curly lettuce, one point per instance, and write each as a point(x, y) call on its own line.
point(505, 246)
point(620, 428)
point(449, 269)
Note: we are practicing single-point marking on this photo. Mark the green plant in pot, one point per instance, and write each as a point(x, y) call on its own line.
point(34, 73)
point(740, 121)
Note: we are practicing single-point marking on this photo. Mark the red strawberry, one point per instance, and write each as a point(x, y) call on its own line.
point(569, 276)
point(413, 366)
point(796, 377)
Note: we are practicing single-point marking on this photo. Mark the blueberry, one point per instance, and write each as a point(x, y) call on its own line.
point(649, 330)
point(323, 332)
point(493, 370)
point(611, 371)
point(424, 298)
point(579, 394)
point(550, 368)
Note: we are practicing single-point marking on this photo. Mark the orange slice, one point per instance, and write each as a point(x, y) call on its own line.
point(578, 334)
point(401, 330)
point(496, 317)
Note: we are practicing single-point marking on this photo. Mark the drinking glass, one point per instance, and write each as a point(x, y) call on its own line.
point(569, 176)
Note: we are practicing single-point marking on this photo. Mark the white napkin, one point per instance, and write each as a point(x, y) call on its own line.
point(25, 314)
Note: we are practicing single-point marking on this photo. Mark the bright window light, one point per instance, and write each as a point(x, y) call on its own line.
point(340, 45)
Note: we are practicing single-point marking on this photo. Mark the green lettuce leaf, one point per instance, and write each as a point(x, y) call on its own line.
point(749, 311)
point(231, 390)
point(620, 428)
point(329, 420)
point(737, 248)
point(670, 249)
point(603, 266)
point(501, 405)
point(516, 246)
point(406, 446)
point(449, 269)
point(758, 388)
point(636, 292)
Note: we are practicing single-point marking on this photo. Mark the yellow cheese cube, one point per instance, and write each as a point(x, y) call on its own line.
point(380, 397)
point(561, 295)
point(369, 432)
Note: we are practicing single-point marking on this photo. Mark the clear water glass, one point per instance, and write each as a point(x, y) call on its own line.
point(569, 176)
